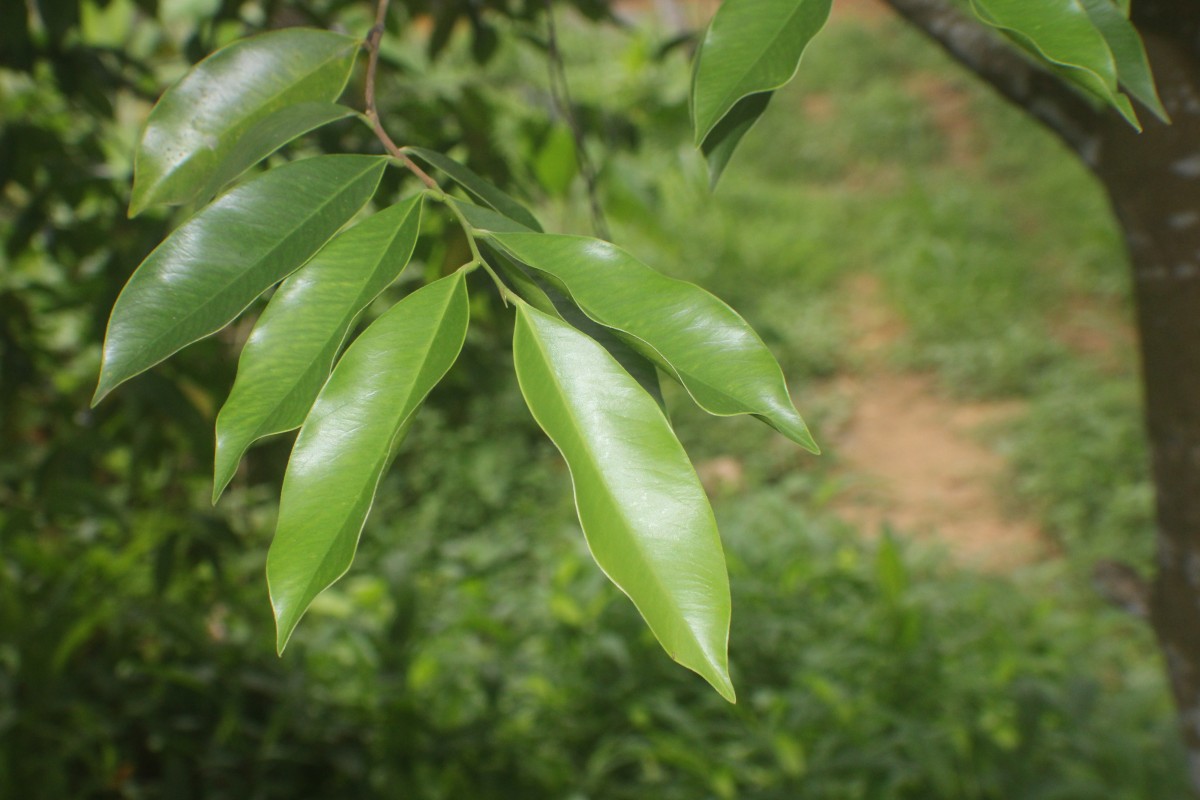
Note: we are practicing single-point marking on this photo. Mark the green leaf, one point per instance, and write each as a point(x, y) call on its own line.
point(351, 436)
point(287, 358)
point(268, 135)
point(477, 187)
point(643, 511)
point(198, 122)
point(751, 47)
point(691, 334)
point(214, 265)
point(1133, 66)
point(719, 145)
point(1062, 33)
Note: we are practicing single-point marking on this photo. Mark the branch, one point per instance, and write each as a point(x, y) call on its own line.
point(1019, 80)
point(372, 113)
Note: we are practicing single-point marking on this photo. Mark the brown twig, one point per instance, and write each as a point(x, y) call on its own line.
point(372, 112)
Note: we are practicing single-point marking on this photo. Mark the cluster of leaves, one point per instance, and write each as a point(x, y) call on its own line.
point(594, 327)
point(643, 510)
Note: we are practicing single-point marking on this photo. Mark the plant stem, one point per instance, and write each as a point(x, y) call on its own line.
point(506, 294)
point(372, 112)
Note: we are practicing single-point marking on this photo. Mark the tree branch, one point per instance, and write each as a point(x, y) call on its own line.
point(372, 112)
point(1019, 80)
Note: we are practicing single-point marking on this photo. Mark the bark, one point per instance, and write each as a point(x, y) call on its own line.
point(1153, 182)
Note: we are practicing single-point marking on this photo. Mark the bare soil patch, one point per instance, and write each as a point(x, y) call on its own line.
point(914, 459)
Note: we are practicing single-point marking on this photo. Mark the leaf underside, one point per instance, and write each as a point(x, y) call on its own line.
point(289, 354)
point(350, 437)
point(689, 333)
point(644, 514)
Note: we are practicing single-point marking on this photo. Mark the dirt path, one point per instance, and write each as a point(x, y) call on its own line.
point(913, 458)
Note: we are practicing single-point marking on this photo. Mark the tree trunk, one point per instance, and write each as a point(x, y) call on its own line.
point(1153, 181)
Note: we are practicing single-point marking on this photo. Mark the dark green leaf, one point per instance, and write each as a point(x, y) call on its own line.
point(268, 135)
point(751, 46)
point(214, 265)
point(198, 122)
point(351, 436)
point(1062, 33)
point(719, 145)
point(479, 188)
point(643, 511)
point(287, 358)
point(1133, 66)
point(688, 332)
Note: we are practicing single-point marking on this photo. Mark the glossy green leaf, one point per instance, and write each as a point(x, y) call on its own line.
point(688, 332)
point(1062, 33)
point(199, 122)
point(287, 358)
point(214, 265)
point(268, 135)
point(477, 187)
point(643, 511)
point(350, 437)
point(1133, 66)
point(751, 47)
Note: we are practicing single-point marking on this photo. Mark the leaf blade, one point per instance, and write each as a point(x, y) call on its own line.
point(268, 135)
point(1133, 65)
point(198, 121)
point(644, 514)
point(210, 268)
point(288, 357)
point(350, 437)
point(1062, 33)
point(751, 46)
point(691, 334)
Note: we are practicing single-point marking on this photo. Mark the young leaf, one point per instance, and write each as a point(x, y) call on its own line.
point(479, 188)
point(751, 47)
point(1062, 33)
point(288, 356)
point(1133, 66)
point(688, 332)
point(643, 511)
point(350, 437)
point(268, 135)
point(198, 122)
point(214, 265)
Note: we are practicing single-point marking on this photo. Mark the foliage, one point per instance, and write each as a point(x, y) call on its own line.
point(134, 659)
point(641, 505)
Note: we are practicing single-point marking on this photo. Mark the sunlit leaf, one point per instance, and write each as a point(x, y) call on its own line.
point(752, 47)
point(268, 135)
point(350, 437)
point(198, 123)
point(214, 265)
point(688, 332)
point(480, 189)
point(287, 358)
point(644, 514)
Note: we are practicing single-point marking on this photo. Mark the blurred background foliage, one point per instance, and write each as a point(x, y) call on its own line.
point(474, 650)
